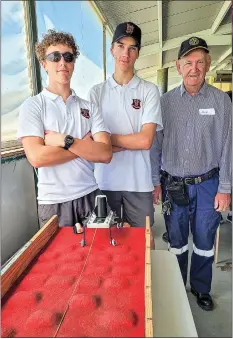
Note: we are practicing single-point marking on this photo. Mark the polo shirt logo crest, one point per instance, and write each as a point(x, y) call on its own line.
point(85, 113)
point(129, 29)
point(136, 103)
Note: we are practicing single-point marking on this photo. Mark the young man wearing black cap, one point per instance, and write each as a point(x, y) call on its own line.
point(195, 155)
point(131, 111)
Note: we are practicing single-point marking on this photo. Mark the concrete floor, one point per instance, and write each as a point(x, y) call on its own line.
point(216, 323)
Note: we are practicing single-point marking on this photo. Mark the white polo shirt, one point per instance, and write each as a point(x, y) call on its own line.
point(47, 111)
point(125, 110)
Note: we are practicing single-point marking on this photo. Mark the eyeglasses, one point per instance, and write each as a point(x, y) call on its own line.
point(56, 56)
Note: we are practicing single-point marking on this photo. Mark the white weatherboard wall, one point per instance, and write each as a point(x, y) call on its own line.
point(19, 221)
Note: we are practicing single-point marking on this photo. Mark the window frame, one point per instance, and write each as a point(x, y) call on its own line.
point(12, 147)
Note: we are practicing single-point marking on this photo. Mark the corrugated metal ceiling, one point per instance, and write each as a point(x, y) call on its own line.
point(167, 24)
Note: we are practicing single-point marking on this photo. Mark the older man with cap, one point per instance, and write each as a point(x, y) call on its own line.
point(131, 111)
point(194, 155)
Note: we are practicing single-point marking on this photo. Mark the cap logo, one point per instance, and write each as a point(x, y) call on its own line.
point(129, 29)
point(193, 41)
point(85, 113)
point(136, 103)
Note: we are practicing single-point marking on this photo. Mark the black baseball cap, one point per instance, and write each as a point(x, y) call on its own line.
point(128, 29)
point(191, 44)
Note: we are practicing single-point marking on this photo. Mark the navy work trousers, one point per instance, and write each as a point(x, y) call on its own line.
point(203, 220)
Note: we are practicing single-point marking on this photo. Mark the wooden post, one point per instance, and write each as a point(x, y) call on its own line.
point(148, 287)
point(24, 256)
point(216, 246)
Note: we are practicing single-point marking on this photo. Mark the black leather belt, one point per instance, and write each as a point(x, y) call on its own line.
point(192, 180)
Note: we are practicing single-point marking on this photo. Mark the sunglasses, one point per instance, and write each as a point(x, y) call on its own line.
point(56, 56)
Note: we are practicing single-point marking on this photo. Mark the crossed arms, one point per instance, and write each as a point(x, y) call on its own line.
point(49, 151)
point(137, 141)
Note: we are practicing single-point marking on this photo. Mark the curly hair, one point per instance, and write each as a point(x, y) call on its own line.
point(54, 38)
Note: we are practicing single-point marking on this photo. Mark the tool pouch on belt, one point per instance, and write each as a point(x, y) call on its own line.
point(177, 190)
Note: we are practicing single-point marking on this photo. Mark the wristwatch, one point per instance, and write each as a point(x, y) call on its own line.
point(69, 140)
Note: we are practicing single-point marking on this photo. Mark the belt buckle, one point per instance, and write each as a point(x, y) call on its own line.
point(188, 181)
point(197, 180)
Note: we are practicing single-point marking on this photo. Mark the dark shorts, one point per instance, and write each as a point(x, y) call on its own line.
point(69, 213)
point(135, 206)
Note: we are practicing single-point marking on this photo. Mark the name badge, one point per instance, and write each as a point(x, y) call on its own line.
point(207, 111)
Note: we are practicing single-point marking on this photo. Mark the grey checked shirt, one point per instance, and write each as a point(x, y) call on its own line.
point(197, 135)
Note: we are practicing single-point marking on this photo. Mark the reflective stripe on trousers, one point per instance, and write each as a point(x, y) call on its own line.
point(177, 251)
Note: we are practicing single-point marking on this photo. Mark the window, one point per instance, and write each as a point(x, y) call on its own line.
point(109, 57)
point(79, 19)
point(15, 81)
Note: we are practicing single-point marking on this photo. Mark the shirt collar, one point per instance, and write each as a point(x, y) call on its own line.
point(203, 89)
point(54, 96)
point(131, 84)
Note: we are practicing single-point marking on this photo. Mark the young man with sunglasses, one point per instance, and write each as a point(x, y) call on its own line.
point(131, 111)
point(62, 135)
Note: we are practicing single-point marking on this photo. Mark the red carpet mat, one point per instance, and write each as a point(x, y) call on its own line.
point(74, 291)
